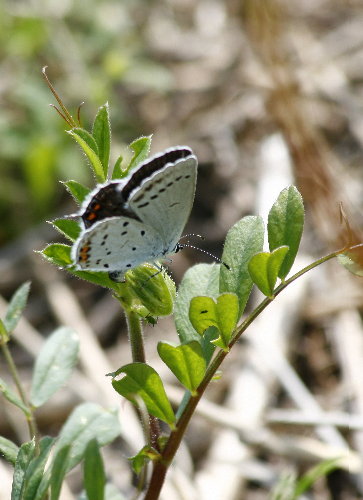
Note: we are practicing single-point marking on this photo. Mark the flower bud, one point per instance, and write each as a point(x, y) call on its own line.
point(154, 289)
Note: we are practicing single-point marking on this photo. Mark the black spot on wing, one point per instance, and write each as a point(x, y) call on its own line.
point(149, 167)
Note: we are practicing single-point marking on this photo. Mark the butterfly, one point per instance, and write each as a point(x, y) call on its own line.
point(139, 218)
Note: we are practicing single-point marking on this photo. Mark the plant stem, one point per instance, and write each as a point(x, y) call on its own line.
point(134, 327)
point(33, 431)
point(172, 445)
point(136, 338)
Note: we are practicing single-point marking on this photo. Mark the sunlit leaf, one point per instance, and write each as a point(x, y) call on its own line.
point(77, 190)
point(141, 380)
point(118, 172)
point(101, 132)
point(141, 149)
point(243, 240)
point(285, 225)
point(186, 361)
point(58, 254)
point(264, 268)
point(202, 279)
point(68, 227)
point(222, 313)
point(89, 146)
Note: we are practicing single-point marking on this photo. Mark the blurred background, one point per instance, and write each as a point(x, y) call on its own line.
point(267, 93)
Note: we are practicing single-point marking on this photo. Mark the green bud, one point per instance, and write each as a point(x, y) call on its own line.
point(153, 288)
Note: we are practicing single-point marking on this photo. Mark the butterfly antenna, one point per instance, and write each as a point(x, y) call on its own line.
point(192, 234)
point(186, 245)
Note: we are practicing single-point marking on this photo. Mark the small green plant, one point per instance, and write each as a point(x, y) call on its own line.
point(207, 309)
point(290, 487)
point(88, 427)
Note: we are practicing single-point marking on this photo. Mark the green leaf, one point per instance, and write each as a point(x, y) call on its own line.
point(70, 228)
point(352, 260)
point(89, 146)
point(86, 137)
point(86, 422)
point(143, 381)
point(311, 476)
point(243, 240)
point(9, 450)
point(23, 459)
point(77, 190)
point(97, 278)
point(58, 471)
point(139, 460)
point(141, 149)
point(205, 312)
point(118, 172)
point(264, 268)
point(10, 395)
point(227, 311)
point(201, 279)
point(94, 472)
point(16, 306)
point(54, 364)
point(101, 132)
point(285, 225)
point(186, 361)
point(58, 254)
point(202, 313)
point(43, 487)
point(35, 470)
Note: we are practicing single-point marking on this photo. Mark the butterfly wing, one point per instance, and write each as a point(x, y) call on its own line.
point(105, 201)
point(139, 218)
point(164, 200)
point(116, 244)
point(111, 198)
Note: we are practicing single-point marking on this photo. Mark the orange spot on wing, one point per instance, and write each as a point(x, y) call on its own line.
point(83, 253)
